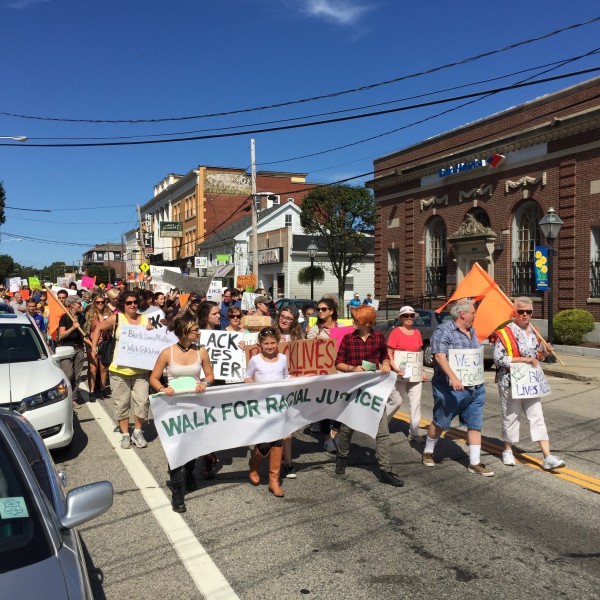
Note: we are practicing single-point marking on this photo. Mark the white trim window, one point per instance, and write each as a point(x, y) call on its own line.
point(435, 258)
point(526, 235)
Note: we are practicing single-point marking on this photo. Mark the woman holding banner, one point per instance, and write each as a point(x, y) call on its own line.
point(183, 359)
point(405, 338)
point(518, 343)
point(129, 385)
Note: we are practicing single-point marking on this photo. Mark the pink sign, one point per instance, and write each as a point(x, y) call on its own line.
point(88, 282)
point(337, 333)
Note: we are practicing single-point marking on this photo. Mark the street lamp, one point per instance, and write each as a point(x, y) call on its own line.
point(188, 264)
point(312, 253)
point(550, 225)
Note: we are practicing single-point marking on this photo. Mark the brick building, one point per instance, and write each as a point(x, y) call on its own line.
point(477, 193)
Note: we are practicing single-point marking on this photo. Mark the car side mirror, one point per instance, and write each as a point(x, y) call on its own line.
point(86, 503)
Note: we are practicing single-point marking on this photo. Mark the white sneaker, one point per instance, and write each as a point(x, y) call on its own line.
point(552, 462)
point(417, 439)
point(139, 440)
point(508, 458)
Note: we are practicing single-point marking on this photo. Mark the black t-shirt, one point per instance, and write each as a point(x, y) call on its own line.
point(75, 338)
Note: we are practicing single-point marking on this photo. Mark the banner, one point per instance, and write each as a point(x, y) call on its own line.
point(527, 381)
point(411, 363)
point(467, 364)
point(540, 266)
point(227, 359)
point(223, 417)
point(305, 357)
point(138, 347)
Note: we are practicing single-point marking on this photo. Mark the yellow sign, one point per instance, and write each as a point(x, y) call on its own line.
point(144, 267)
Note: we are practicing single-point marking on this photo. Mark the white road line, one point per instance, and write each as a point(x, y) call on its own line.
point(206, 575)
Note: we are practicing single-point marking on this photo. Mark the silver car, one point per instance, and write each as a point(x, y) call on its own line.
point(40, 551)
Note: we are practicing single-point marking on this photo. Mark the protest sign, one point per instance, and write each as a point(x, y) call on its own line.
point(193, 285)
point(34, 283)
point(138, 347)
point(215, 290)
point(88, 282)
point(248, 301)
point(155, 315)
point(527, 381)
point(337, 334)
point(255, 322)
point(467, 364)
point(156, 272)
point(227, 359)
point(305, 357)
point(14, 284)
point(375, 304)
point(411, 363)
point(223, 417)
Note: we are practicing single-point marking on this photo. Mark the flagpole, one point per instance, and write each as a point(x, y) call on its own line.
point(545, 344)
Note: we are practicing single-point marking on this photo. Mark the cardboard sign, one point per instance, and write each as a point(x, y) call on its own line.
point(255, 322)
point(227, 359)
point(411, 363)
point(467, 365)
point(305, 357)
point(193, 285)
point(527, 381)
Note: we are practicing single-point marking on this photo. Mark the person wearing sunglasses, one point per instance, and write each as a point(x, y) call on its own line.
point(234, 315)
point(129, 385)
point(407, 339)
point(518, 342)
point(97, 312)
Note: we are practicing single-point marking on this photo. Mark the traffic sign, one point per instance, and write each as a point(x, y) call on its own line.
point(144, 267)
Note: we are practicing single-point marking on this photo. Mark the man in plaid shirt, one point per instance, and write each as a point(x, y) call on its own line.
point(365, 350)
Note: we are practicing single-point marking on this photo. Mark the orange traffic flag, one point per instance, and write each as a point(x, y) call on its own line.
point(183, 299)
point(56, 311)
point(495, 307)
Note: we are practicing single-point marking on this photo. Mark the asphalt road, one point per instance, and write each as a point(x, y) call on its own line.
point(524, 533)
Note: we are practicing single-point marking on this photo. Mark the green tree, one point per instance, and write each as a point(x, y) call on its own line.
point(100, 272)
point(2, 204)
point(7, 266)
point(341, 216)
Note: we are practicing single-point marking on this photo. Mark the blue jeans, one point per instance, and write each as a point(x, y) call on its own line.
point(466, 404)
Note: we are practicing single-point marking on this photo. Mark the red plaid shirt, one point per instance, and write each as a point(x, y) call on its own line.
point(353, 350)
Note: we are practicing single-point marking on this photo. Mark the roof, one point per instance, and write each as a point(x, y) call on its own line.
point(301, 242)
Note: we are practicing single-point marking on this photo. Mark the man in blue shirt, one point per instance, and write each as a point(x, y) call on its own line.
point(228, 302)
point(39, 319)
point(458, 392)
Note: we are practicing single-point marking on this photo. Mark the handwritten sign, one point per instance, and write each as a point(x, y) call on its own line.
point(215, 291)
point(255, 322)
point(527, 381)
point(227, 359)
point(468, 365)
point(305, 357)
point(338, 333)
point(138, 347)
point(155, 315)
point(411, 363)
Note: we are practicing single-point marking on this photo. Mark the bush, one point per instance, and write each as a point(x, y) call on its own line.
point(571, 325)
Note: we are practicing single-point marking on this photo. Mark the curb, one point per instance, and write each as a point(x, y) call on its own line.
point(569, 375)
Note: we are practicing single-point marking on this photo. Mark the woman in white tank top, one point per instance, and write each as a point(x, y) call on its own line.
point(183, 359)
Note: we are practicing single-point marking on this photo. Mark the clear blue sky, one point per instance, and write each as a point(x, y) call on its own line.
point(151, 59)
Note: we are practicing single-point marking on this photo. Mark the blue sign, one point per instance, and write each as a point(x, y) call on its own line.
point(540, 266)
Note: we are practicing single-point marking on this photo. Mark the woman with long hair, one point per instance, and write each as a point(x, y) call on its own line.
point(184, 359)
point(97, 313)
point(129, 385)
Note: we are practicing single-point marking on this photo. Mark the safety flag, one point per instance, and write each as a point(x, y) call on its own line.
point(183, 299)
point(495, 307)
point(56, 311)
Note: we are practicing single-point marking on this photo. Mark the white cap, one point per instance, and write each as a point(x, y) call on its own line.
point(406, 310)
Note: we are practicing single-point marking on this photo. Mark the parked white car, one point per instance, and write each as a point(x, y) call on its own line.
point(33, 382)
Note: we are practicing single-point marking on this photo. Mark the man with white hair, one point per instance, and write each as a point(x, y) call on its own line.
point(455, 394)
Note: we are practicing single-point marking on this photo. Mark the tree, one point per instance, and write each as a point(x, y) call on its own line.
point(100, 272)
point(2, 204)
point(342, 216)
point(7, 266)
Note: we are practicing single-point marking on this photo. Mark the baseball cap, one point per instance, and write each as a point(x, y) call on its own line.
point(261, 300)
point(73, 300)
point(406, 310)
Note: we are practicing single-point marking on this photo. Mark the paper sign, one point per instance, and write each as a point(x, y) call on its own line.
point(337, 334)
point(138, 347)
point(34, 283)
point(467, 365)
point(215, 291)
point(411, 363)
point(88, 282)
point(13, 508)
point(14, 284)
point(227, 360)
point(527, 381)
point(305, 357)
point(157, 272)
point(248, 301)
point(155, 315)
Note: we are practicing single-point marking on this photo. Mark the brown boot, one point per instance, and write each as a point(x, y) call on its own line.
point(275, 471)
point(254, 463)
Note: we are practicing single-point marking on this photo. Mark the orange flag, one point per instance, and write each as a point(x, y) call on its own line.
point(56, 311)
point(495, 307)
point(183, 298)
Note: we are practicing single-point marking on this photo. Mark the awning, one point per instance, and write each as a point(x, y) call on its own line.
point(223, 271)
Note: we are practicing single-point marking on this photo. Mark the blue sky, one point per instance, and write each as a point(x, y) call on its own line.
point(150, 59)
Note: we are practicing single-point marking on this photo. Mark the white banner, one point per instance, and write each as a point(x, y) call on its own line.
point(468, 365)
point(139, 347)
point(223, 417)
point(527, 381)
point(227, 360)
point(411, 363)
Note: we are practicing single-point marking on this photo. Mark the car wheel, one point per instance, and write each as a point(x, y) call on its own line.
point(427, 355)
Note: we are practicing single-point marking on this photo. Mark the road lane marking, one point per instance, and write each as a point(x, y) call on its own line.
point(581, 479)
point(206, 575)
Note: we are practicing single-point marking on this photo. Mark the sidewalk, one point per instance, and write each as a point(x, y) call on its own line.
point(579, 368)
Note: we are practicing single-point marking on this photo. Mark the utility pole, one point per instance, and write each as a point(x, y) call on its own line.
point(141, 234)
point(254, 213)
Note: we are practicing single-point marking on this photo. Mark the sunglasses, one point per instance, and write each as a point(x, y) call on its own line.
point(523, 311)
point(409, 316)
point(323, 309)
point(267, 331)
point(130, 302)
point(235, 316)
point(100, 302)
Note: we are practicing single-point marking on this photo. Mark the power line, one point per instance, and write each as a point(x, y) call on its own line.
point(48, 210)
point(320, 97)
point(314, 123)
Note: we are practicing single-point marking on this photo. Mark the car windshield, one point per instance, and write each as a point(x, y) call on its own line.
point(23, 539)
point(20, 343)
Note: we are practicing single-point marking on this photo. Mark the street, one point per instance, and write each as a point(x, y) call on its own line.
point(524, 533)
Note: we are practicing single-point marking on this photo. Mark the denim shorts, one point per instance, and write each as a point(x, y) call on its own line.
point(466, 404)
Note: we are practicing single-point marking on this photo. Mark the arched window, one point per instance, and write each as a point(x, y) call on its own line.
point(435, 269)
point(481, 216)
point(526, 235)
